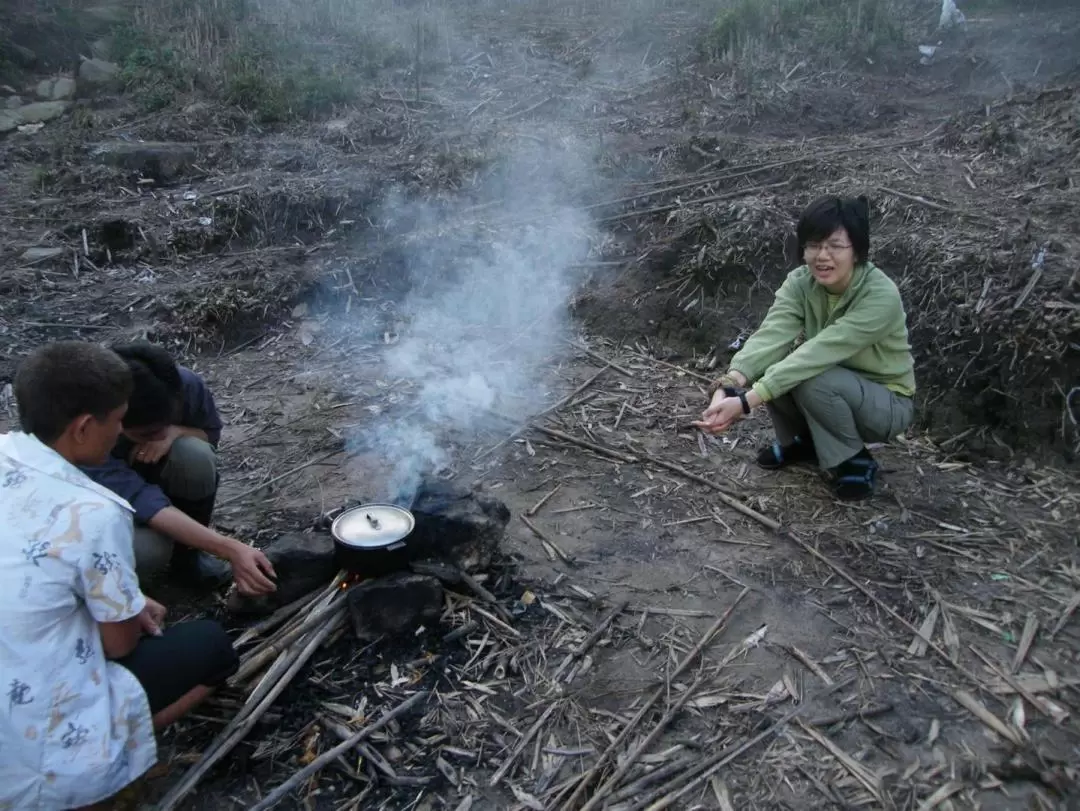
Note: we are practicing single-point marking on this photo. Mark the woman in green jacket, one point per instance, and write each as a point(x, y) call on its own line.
point(831, 361)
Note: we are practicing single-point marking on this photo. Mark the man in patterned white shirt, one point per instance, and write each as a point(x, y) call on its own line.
point(87, 672)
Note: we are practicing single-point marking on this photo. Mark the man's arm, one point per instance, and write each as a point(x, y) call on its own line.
point(181, 528)
point(251, 569)
point(107, 583)
point(118, 639)
point(145, 498)
point(185, 430)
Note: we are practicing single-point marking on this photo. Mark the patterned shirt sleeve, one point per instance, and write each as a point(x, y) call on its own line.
point(106, 580)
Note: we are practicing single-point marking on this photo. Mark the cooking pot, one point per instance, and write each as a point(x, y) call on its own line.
point(370, 540)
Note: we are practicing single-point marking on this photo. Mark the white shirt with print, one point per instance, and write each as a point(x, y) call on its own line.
point(74, 728)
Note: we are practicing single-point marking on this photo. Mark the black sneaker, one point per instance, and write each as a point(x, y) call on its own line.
point(776, 456)
point(856, 478)
point(196, 569)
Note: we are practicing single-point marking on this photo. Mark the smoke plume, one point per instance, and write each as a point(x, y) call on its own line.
point(487, 310)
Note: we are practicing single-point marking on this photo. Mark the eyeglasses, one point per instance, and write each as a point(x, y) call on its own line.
point(834, 248)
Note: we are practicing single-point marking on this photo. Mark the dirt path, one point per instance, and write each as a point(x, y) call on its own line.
point(971, 554)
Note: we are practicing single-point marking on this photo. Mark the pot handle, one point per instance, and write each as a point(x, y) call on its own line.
point(394, 547)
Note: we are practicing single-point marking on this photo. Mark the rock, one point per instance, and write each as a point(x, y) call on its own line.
point(394, 605)
point(59, 89)
point(302, 562)
point(163, 162)
point(63, 89)
point(12, 103)
point(457, 525)
point(99, 72)
point(41, 254)
point(42, 111)
point(102, 48)
point(106, 15)
point(21, 56)
point(10, 120)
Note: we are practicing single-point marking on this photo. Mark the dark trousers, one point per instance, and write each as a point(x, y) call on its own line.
point(189, 477)
point(185, 656)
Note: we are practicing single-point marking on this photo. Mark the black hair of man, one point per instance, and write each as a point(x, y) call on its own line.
point(59, 382)
point(158, 392)
point(826, 215)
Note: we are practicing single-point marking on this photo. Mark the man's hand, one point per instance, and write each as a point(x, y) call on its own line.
point(251, 571)
point(150, 453)
point(152, 618)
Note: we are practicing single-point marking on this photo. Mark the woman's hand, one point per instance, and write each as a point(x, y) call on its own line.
point(722, 413)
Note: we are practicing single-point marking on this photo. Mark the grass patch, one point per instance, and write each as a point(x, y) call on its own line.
point(155, 75)
point(277, 90)
point(837, 28)
point(278, 60)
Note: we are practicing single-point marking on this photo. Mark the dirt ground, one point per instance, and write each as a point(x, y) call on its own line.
point(257, 258)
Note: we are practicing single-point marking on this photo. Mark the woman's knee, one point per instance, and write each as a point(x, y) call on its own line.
point(824, 386)
point(191, 471)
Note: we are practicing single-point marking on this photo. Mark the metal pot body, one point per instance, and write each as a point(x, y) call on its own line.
point(372, 540)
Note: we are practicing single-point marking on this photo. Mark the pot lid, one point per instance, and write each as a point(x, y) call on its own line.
point(372, 525)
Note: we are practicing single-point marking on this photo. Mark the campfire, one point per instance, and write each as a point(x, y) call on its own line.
point(328, 587)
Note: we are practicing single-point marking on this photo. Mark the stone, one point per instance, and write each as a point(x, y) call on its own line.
point(59, 89)
point(20, 55)
point(12, 103)
point(63, 89)
point(10, 120)
point(99, 72)
point(397, 604)
point(457, 525)
point(302, 562)
point(41, 254)
point(41, 111)
point(101, 48)
point(105, 16)
point(164, 162)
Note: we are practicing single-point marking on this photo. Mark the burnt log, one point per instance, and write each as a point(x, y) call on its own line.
point(395, 604)
point(302, 564)
point(457, 525)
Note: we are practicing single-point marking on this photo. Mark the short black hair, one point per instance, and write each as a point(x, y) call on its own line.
point(61, 381)
point(158, 389)
point(823, 217)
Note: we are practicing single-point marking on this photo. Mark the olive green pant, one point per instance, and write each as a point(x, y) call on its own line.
point(841, 411)
point(188, 474)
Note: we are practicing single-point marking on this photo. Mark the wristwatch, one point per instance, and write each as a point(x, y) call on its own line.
point(723, 382)
point(732, 391)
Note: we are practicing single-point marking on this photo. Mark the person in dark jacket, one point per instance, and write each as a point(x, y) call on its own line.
point(165, 465)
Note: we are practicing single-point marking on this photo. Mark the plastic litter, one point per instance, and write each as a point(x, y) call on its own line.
point(951, 16)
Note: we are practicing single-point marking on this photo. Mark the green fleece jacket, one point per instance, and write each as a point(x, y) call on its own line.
point(864, 330)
